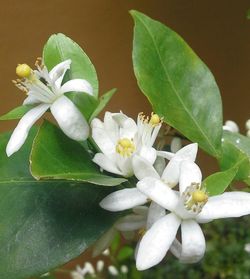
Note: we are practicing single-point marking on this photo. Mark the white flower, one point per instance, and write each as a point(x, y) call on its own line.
point(188, 207)
point(231, 126)
point(131, 197)
point(119, 138)
point(46, 91)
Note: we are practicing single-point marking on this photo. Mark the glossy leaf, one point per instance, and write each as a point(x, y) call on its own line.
point(103, 101)
point(236, 153)
point(177, 83)
point(44, 223)
point(16, 113)
point(218, 182)
point(55, 156)
point(60, 48)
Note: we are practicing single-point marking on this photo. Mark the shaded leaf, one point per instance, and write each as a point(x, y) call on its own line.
point(16, 113)
point(55, 156)
point(44, 223)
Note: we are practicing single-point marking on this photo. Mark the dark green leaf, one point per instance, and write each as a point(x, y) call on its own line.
point(16, 113)
point(125, 253)
point(55, 156)
point(218, 182)
point(236, 153)
point(177, 83)
point(60, 48)
point(44, 223)
point(103, 101)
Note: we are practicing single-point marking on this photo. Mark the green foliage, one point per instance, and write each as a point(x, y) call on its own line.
point(16, 113)
point(236, 153)
point(219, 181)
point(55, 156)
point(44, 223)
point(177, 83)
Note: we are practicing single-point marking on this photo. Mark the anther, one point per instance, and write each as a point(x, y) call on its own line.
point(155, 119)
point(23, 70)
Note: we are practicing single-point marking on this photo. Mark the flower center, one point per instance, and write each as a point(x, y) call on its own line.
point(23, 71)
point(125, 147)
point(195, 197)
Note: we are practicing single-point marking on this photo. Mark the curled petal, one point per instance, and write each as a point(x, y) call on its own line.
point(148, 153)
point(70, 119)
point(227, 205)
point(78, 85)
point(20, 133)
point(188, 152)
point(189, 173)
point(193, 244)
point(128, 127)
point(106, 163)
point(31, 100)
point(156, 241)
point(57, 73)
point(158, 192)
point(123, 199)
point(142, 168)
point(172, 172)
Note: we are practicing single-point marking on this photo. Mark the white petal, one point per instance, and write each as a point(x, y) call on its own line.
point(148, 153)
point(106, 163)
point(31, 100)
point(188, 152)
point(131, 222)
point(231, 126)
point(159, 165)
point(77, 85)
point(141, 210)
point(158, 192)
point(70, 119)
point(156, 242)
point(58, 72)
point(171, 173)
point(193, 242)
point(111, 127)
point(155, 212)
point(104, 242)
point(20, 133)
point(123, 199)
point(97, 123)
point(128, 127)
point(189, 172)
point(103, 140)
point(227, 205)
point(142, 168)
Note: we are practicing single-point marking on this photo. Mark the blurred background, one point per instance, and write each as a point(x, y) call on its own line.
point(218, 31)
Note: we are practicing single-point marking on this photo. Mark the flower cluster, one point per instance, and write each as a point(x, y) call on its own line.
point(164, 198)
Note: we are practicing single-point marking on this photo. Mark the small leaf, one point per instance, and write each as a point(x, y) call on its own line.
point(103, 101)
point(177, 83)
point(236, 153)
point(16, 113)
point(60, 48)
point(44, 224)
point(218, 182)
point(55, 156)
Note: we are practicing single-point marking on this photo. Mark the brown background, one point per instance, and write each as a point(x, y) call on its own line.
point(217, 30)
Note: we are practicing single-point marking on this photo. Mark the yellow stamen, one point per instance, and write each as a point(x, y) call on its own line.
point(199, 196)
point(23, 70)
point(155, 119)
point(125, 147)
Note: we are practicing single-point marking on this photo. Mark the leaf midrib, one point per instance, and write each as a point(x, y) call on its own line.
point(176, 92)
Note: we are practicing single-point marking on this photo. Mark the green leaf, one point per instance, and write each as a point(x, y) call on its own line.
point(55, 156)
point(236, 153)
point(177, 83)
point(16, 113)
point(103, 101)
point(85, 103)
point(44, 224)
point(60, 48)
point(218, 182)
